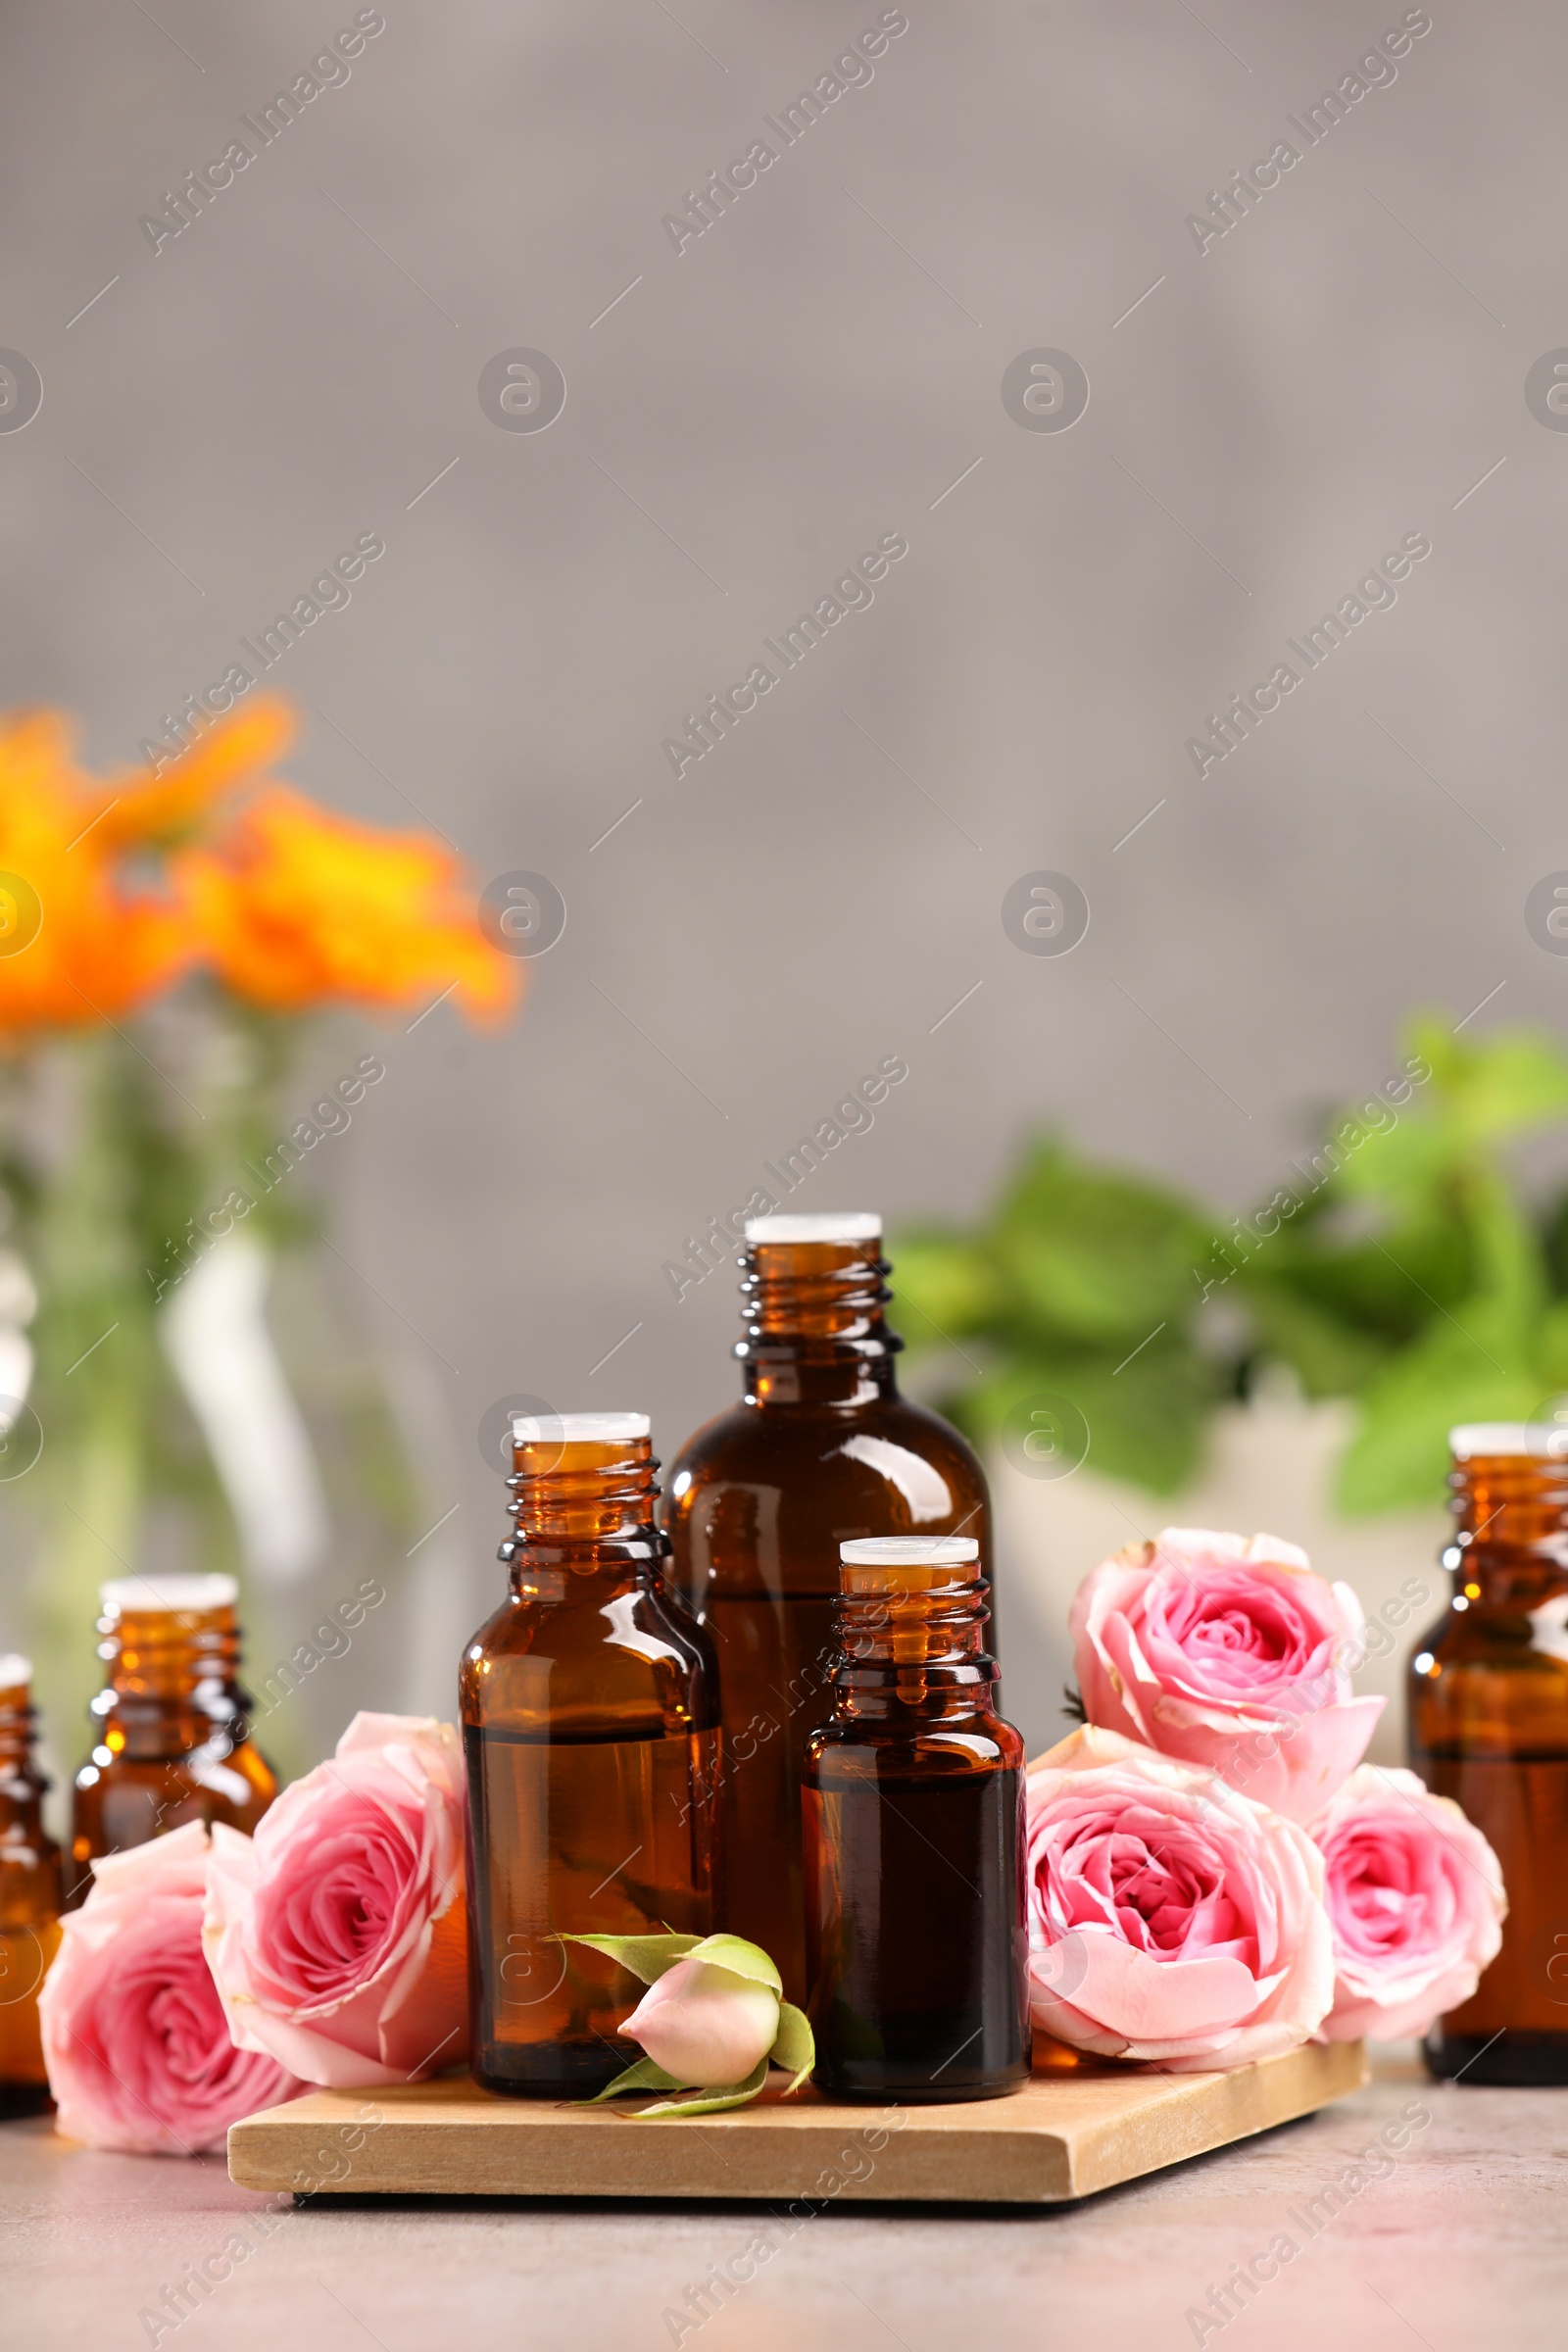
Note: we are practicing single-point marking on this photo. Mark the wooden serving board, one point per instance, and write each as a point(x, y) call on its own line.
point(1063, 2135)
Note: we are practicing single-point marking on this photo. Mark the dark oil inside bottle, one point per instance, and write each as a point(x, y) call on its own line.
point(30, 1898)
point(590, 1730)
point(915, 1857)
point(172, 1727)
point(1489, 1727)
point(821, 1449)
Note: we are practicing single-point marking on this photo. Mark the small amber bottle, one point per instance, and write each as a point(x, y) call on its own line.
point(174, 1737)
point(821, 1447)
point(29, 1896)
point(590, 1723)
point(1489, 1725)
point(918, 1938)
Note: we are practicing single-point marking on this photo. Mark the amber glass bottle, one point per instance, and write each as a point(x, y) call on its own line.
point(1489, 1725)
point(590, 1721)
point(820, 1448)
point(917, 1939)
point(29, 1896)
point(174, 1737)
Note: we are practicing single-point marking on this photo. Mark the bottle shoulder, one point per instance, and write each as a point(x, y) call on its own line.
point(951, 1749)
point(637, 1649)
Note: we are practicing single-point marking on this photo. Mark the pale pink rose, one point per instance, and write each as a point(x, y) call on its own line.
point(1416, 1902)
point(134, 2036)
point(704, 2026)
point(1170, 1918)
point(1227, 1653)
point(337, 1935)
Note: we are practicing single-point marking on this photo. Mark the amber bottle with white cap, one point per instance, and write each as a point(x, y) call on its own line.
point(29, 1896)
point(1488, 1702)
point(917, 1942)
point(174, 1737)
point(820, 1448)
point(590, 1723)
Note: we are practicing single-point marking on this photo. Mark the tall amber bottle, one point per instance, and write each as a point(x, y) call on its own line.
point(1489, 1725)
point(174, 1740)
point(820, 1448)
point(916, 1937)
point(29, 1896)
point(590, 1722)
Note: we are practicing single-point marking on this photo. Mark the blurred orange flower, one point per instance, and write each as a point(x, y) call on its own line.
point(112, 891)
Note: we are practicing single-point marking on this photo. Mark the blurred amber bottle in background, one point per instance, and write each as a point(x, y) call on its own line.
point(820, 1448)
point(917, 1935)
point(1489, 1727)
point(590, 1725)
point(173, 1729)
point(29, 1896)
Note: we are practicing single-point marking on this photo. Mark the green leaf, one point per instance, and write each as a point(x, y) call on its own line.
point(645, 1956)
point(948, 1283)
point(1463, 1370)
point(1330, 1356)
point(710, 2102)
point(740, 1958)
point(642, 2075)
point(795, 2045)
point(1095, 1254)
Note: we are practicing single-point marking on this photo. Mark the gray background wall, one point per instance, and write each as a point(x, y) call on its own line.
point(813, 371)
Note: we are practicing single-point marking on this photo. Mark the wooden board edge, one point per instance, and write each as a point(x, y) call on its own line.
point(1224, 2109)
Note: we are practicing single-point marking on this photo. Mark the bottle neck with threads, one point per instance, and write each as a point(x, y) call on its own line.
point(584, 1495)
point(1508, 1494)
point(911, 1630)
point(22, 1783)
point(813, 1290)
point(169, 1648)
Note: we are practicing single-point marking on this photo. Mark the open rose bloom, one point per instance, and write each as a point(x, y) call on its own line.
point(1416, 1900)
point(1230, 1654)
point(134, 2036)
point(1170, 1918)
point(337, 1935)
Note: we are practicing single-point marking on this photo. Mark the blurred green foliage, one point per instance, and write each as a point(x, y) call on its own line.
point(1399, 1265)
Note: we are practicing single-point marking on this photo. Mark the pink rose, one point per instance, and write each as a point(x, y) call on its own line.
point(705, 2025)
point(1228, 1654)
point(1416, 1901)
point(134, 2036)
point(337, 1935)
point(1170, 1918)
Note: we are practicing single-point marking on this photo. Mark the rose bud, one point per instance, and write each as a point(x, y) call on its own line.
point(134, 2036)
point(1170, 1918)
point(704, 2025)
point(1228, 1654)
point(337, 1935)
point(1415, 1899)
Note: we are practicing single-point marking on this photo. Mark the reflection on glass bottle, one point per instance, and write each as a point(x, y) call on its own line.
point(821, 1447)
point(916, 1933)
point(1489, 1725)
point(29, 1896)
point(590, 1728)
point(174, 1740)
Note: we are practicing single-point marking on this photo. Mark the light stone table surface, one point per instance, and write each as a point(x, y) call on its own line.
point(1462, 2244)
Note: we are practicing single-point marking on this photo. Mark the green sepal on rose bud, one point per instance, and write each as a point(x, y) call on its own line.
point(729, 2005)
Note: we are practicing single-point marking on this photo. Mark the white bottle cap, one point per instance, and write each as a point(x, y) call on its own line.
point(147, 1593)
point(1545, 1439)
point(908, 1552)
point(841, 1225)
point(16, 1671)
point(577, 1428)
